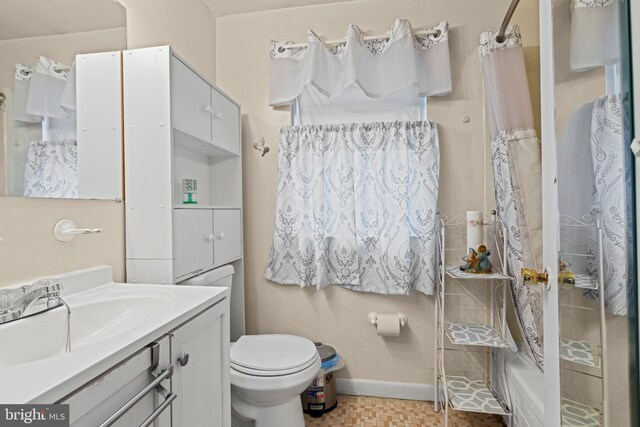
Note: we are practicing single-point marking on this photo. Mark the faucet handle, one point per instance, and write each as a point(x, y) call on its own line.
point(7, 299)
point(50, 287)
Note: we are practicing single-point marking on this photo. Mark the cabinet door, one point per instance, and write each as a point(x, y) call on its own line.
point(94, 403)
point(226, 122)
point(190, 101)
point(200, 354)
point(193, 240)
point(227, 228)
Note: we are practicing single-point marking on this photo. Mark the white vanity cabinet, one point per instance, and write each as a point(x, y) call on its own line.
point(177, 126)
point(202, 368)
point(98, 400)
point(196, 394)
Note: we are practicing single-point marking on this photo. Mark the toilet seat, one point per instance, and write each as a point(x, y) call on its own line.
point(272, 355)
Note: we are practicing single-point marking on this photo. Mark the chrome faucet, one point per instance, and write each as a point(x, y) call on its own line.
point(40, 296)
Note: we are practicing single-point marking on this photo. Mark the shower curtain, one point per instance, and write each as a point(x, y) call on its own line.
point(612, 197)
point(516, 158)
point(356, 206)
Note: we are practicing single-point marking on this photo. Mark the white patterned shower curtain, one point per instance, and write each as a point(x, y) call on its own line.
point(356, 206)
point(516, 162)
point(51, 169)
point(612, 198)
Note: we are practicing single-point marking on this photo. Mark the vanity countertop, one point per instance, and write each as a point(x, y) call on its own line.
point(109, 322)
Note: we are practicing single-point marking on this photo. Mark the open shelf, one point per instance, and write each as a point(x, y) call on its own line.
point(199, 206)
point(581, 352)
point(575, 414)
point(455, 272)
point(185, 139)
point(477, 334)
point(474, 396)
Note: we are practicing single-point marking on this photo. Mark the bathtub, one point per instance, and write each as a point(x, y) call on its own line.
point(519, 380)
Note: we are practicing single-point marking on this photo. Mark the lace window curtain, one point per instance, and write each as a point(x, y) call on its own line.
point(356, 202)
point(595, 34)
point(516, 159)
point(356, 206)
point(363, 80)
point(51, 169)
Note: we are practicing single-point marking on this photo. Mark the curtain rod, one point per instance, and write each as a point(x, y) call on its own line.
point(366, 38)
point(505, 21)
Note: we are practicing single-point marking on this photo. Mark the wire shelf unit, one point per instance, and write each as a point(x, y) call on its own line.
point(460, 392)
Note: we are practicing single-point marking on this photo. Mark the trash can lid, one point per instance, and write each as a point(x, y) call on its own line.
point(326, 351)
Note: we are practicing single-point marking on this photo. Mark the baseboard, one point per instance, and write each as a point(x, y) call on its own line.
point(388, 389)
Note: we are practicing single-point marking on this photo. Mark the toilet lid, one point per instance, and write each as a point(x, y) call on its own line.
point(272, 355)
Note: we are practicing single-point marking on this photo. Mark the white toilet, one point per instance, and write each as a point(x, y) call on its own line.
point(268, 372)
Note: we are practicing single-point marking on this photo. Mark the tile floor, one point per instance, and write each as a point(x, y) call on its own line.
point(361, 411)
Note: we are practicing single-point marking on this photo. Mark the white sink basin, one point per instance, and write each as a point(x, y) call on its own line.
point(94, 317)
point(108, 322)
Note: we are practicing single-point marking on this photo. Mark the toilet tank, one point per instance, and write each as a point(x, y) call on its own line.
point(221, 277)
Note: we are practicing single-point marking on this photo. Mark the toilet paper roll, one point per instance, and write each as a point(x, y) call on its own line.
point(388, 325)
point(474, 229)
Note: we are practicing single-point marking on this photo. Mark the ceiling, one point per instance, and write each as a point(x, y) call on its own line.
point(232, 7)
point(35, 18)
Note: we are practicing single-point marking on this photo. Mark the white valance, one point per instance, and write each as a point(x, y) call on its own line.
point(595, 33)
point(378, 67)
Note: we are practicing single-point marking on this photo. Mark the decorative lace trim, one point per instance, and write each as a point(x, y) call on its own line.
point(488, 42)
point(576, 4)
point(367, 127)
point(518, 134)
point(401, 29)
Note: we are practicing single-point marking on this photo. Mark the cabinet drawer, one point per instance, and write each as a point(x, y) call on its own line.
point(227, 229)
point(190, 101)
point(103, 396)
point(226, 122)
point(193, 240)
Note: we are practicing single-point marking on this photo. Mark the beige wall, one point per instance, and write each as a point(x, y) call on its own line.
point(335, 315)
point(187, 25)
point(30, 250)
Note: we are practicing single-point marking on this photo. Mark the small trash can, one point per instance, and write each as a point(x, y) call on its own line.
point(320, 397)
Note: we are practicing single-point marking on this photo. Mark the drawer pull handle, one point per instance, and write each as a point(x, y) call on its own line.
point(218, 116)
point(221, 236)
point(209, 237)
point(208, 109)
point(184, 360)
point(166, 374)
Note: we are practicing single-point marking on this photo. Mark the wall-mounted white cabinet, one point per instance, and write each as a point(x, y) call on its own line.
point(179, 126)
point(202, 113)
point(204, 238)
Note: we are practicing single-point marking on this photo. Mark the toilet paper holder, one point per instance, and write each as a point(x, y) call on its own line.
point(373, 318)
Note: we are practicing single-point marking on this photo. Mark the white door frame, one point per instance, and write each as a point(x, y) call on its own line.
point(552, 407)
point(634, 12)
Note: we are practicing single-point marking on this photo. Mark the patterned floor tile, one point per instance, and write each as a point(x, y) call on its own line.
point(361, 411)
